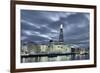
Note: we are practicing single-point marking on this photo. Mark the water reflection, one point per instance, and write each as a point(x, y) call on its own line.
point(55, 58)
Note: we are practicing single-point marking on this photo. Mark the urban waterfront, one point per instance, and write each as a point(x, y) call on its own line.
point(54, 36)
point(53, 57)
point(53, 50)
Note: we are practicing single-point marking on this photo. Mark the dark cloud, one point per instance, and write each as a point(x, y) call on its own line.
point(41, 26)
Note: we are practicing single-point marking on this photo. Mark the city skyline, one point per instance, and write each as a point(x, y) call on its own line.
point(42, 26)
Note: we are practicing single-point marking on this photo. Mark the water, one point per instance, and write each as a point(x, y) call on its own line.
point(56, 58)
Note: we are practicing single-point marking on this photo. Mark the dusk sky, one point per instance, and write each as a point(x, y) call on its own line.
point(42, 26)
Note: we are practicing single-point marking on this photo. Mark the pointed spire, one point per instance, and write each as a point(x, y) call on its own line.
point(61, 26)
point(61, 40)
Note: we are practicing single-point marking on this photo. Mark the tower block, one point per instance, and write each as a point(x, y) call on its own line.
point(61, 39)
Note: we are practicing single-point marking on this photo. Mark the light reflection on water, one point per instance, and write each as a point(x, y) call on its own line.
point(57, 58)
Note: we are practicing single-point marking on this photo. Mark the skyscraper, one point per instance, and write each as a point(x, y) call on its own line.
point(61, 39)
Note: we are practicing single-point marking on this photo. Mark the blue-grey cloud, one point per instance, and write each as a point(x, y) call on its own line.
point(41, 26)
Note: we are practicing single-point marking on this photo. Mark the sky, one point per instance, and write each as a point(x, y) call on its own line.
point(42, 26)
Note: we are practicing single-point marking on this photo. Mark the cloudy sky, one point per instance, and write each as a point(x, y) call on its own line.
point(42, 26)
